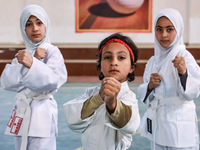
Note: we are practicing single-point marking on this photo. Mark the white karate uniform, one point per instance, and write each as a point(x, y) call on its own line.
point(98, 132)
point(42, 80)
point(172, 120)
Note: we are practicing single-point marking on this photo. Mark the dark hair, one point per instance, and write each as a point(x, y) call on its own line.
point(130, 43)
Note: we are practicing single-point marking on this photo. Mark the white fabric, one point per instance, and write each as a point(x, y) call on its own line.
point(171, 109)
point(42, 79)
point(98, 132)
point(37, 143)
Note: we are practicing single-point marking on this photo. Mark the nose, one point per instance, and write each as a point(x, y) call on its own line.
point(164, 34)
point(35, 27)
point(114, 62)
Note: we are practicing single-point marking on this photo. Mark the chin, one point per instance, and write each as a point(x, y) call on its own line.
point(36, 41)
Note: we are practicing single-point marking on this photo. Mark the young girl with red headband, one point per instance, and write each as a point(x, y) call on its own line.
point(108, 116)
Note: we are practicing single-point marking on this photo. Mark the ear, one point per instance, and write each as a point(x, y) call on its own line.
point(132, 69)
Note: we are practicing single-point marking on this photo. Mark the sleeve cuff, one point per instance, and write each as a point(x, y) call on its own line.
point(121, 115)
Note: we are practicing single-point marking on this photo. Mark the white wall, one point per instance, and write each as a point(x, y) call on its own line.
point(62, 17)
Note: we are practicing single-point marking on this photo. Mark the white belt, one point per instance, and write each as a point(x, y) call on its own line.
point(167, 101)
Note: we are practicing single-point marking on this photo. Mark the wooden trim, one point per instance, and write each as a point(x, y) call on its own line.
point(83, 61)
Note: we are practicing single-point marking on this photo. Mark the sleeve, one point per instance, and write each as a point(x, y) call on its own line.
point(183, 79)
point(10, 77)
point(192, 87)
point(73, 108)
point(90, 106)
point(129, 99)
point(121, 115)
point(43, 76)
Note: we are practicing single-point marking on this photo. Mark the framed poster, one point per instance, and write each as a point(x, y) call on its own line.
point(114, 16)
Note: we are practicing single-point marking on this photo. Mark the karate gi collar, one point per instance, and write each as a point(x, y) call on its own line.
point(40, 13)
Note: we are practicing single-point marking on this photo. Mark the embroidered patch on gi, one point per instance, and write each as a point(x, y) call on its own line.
point(10, 122)
point(14, 123)
point(149, 125)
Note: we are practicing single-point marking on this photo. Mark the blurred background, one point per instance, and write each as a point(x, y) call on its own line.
point(77, 28)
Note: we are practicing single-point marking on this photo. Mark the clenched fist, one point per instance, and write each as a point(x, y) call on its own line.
point(40, 53)
point(110, 88)
point(24, 58)
point(155, 80)
point(179, 63)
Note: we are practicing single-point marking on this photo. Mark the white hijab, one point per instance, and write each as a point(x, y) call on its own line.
point(39, 12)
point(161, 53)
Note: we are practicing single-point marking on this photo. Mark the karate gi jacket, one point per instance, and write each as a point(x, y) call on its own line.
point(98, 131)
point(170, 119)
point(43, 78)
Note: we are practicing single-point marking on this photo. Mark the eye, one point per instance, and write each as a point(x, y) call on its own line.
point(121, 58)
point(39, 22)
point(107, 57)
point(28, 24)
point(158, 29)
point(170, 29)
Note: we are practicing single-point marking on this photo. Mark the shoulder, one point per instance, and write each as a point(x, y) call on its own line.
point(126, 92)
point(150, 62)
point(92, 90)
point(52, 51)
point(151, 59)
point(187, 55)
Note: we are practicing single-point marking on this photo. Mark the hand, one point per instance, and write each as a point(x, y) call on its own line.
point(110, 88)
point(24, 58)
point(40, 53)
point(179, 63)
point(155, 80)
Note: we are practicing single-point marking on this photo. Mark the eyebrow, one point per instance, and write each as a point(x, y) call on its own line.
point(164, 27)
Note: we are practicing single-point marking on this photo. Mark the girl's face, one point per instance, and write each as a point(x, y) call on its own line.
point(35, 29)
point(165, 32)
point(116, 61)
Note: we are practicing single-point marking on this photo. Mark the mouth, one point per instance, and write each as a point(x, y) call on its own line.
point(164, 41)
point(113, 71)
point(35, 35)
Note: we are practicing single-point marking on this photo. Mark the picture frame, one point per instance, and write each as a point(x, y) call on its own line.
point(99, 16)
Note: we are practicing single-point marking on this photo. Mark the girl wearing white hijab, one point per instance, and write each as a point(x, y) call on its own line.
point(171, 83)
point(35, 74)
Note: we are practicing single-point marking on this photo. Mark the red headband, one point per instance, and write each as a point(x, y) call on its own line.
point(118, 41)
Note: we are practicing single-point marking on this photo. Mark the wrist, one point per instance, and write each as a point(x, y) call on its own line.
point(111, 108)
point(183, 72)
point(150, 88)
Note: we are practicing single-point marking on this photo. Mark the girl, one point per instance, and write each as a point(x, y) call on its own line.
point(35, 74)
point(108, 116)
point(171, 81)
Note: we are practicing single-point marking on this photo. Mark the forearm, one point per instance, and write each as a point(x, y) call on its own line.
point(183, 79)
point(121, 115)
point(192, 87)
point(41, 77)
point(144, 94)
point(10, 77)
point(90, 106)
